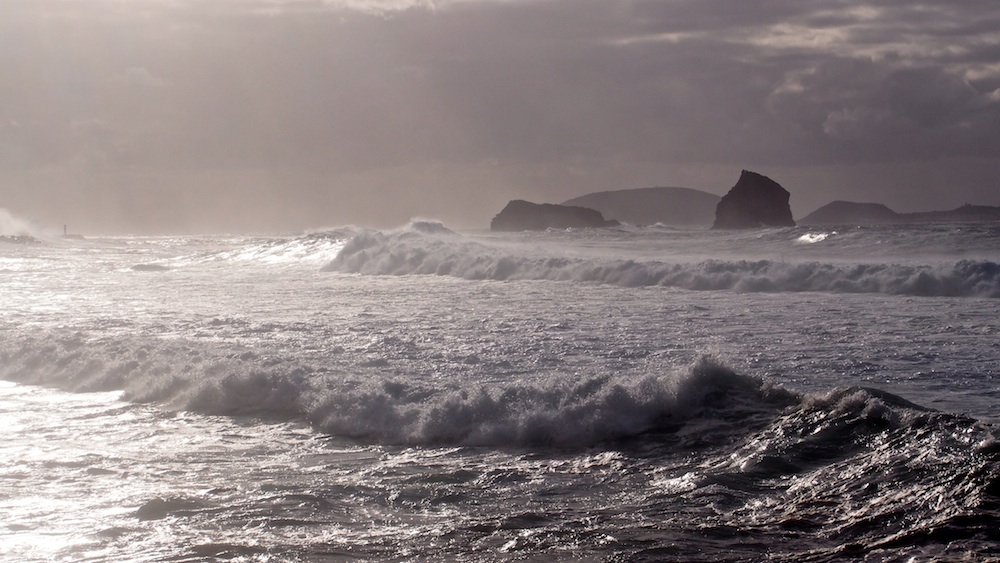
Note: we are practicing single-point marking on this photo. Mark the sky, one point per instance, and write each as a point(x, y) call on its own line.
point(198, 116)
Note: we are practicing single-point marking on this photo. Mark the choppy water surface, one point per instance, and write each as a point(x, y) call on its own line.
point(634, 394)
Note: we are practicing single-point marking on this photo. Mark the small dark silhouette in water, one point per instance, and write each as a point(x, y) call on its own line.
point(755, 201)
point(66, 234)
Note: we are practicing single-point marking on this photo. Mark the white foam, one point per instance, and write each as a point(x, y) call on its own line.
point(813, 238)
point(411, 252)
point(556, 410)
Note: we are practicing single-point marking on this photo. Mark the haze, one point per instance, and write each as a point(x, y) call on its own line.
point(158, 116)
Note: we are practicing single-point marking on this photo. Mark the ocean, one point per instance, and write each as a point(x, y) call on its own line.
point(421, 394)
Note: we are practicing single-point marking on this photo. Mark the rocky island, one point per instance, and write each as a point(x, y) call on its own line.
point(520, 215)
point(755, 201)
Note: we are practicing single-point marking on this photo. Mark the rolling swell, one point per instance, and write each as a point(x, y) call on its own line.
point(413, 252)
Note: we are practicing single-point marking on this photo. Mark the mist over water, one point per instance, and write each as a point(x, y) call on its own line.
point(626, 394)
point(13, 226)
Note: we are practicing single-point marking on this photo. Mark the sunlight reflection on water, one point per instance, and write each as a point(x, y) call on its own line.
point(812, 238)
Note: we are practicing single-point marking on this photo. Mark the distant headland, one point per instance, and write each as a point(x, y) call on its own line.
point(755, 201)
point(649, 206)
point(851, 213)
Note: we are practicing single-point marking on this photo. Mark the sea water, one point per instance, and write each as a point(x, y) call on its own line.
point(627, 394)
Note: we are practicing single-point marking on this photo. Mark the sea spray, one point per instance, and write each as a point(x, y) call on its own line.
point(14, 227)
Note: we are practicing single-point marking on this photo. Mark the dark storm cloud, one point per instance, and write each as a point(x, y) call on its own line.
point(840, 81)
point(321, 98)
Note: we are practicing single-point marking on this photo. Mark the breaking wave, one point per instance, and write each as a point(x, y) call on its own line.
point(313, 249)
point(550, 410)
point(861, 468)
point(547, 409)
point(424, 252)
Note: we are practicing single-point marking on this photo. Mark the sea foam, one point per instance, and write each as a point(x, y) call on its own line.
point(551, 410)
point(416, 252)
point(558, 411)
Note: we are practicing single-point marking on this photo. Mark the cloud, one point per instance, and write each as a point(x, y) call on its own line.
point(885, 111)
point(559, 94)
point(541, 80)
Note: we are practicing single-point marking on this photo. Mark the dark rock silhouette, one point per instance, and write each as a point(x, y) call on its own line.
point(850, 213)
point(68, 235)
point(755, 201)
point(648, 206)
point(520, 215)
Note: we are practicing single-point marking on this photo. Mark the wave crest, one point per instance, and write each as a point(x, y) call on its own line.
point(550, 410)
point(559, 412)
point(413, 252)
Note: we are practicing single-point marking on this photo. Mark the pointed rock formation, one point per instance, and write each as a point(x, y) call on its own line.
point(755, 201)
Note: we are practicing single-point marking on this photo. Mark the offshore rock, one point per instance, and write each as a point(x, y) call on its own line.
point(520, 215)
point(755, 201)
